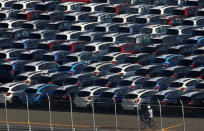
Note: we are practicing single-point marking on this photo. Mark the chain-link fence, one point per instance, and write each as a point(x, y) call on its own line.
point(67, 113)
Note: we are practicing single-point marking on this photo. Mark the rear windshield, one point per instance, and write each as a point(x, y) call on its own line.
point(110, 10)
point(71, 80)
point(40, 7)
point(87, 9)
point(17, 6)
point(85, 38)
point(154, 41)
point(107, 94)
point(100, 29)
point(124, 30)
point(140, 20)
point(89, 48)
point(131, 60)
point(187, 22)
point(101, 82)
point(26, 57)
point(141, 72)
point(155, 11)
point(2, 55)
point(184, 98)
point(159, 60)
point(28, 26)
point(198, 33)
point(48, 57)
point(194, 73)
point(35, 36)
point(61, 37)
point(83, 93)
point(65, 68)
point(44, 17)
point(89, 69)
point(130, 96)
point(45, 79)
point(5, 67)
point(185, 62)
point(3, 25)
point(200, 86)
point(114, 49)
point(78, 28)
point(29, 68)
point(61, 8)
point(150, 84)
point(21, 16)
point(178, 12)
point(172, 32)
point(159, 97)
point(71, 59)
point(117, 20)
point(125, 83)
point(107, 58)
point(115, 70)
point(176, 84)
point(107, 39)
point(168, 72)
point(173, 51)
point(20, 78)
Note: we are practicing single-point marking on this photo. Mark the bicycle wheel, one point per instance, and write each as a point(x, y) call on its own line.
point(142, 124)
point(152, 124)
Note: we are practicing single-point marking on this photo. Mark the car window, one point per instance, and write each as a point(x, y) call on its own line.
point(104, 47)
point(191, 83)
point(147, 94)
point(99, 91)
point(19, 87)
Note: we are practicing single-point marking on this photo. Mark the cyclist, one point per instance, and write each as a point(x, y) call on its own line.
point(147, 113)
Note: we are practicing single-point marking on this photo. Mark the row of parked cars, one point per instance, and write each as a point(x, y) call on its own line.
point(131, 52)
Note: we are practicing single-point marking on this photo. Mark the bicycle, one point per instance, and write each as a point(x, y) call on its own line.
point(147, 122)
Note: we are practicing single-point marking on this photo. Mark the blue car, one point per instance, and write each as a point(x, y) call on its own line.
point(73, 67)
point(168, 60)
point(197, 41)
point(37, 94)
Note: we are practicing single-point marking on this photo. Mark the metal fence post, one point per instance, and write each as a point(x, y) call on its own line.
point(50, 113)
point(184, 124)
point(7, 124)
point(93, 113)
point(160, 114)
point(28, 112)
point(116, 118)
point(70, 101)
point(138, 118)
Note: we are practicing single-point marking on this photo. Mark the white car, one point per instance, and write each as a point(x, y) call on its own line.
point(13, 92)
point(136, 98)
point(87, 95)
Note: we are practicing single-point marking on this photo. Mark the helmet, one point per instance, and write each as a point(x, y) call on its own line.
point(148, 107)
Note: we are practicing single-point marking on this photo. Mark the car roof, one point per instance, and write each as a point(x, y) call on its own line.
point(164, 92)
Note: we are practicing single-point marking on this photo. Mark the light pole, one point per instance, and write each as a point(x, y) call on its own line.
point(6, 112)
point(116, 118)
point(50, 113)
point(28, 112)
point(70, 101)
point(184, 124)
point(160, 113)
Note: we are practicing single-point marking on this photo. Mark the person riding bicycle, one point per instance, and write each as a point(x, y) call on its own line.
point(147, 113)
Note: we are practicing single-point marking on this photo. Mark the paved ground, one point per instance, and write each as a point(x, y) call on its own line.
point(83, 120)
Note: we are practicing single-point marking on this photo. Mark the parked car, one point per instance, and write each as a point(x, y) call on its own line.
point(73, 46)
point(197, 41)
point(185, 50)
point(9, 54)
point(69, 6)
point(68, 35)
point(136, 98)
point(32, 55)
point(108, 80)
point(116, 8)
point(43, 35)
point(55, 56)
point(192, 61)
point(140, 58)
point(125, 18)
point(25, 44)
point(16, 33)
point(8, 24)
point(109, 97)
point(157, 83)
point(77, 16)
point(115, 57)
point(184, 84)
point(50, 44)
point(37, 94)
point(101, 17)
point(156, 49)
point(149, 71)
point(194, 21)
point(35, 25)
point(24, 5)
point(197, 72)
point(162, 9)
point(93, 7)
point(73, 68)
point(133, 82)
point(28, 15)
point(107, 27)
point(176, 72)
point(47, 5)
point(86, 96)
point(13, 93)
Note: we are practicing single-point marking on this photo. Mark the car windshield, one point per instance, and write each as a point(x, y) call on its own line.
point(154, 41)
point(107, 94)
point(176, 84)
point(172, 32)
point(35, 36)
point(124, 30)
point(5, 67)
point(155, 11)
point(89, 48)
point(107, 39)
point(100, 29)
point(78, 28)
point(146, 30)
point(29, 68)
point(178, 12)
point(17, 6)
point(125, 83)
point(101, 82)
point(21, 78)
point(65, 68)
point(83, 93)
point(140, 72)
point(85, 38)
point(159, 60)
point(61, 8)
point(28, 26)
point(187, 22)
point(150, 84)
point(86, 9)
point(109, 9)
point(194, 73)
point(131, 96)
point(115, 70)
